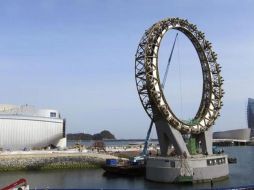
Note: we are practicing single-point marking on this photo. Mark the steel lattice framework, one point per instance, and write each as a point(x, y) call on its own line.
point(148, 81)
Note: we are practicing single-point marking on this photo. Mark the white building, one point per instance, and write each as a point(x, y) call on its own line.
point(27, 127)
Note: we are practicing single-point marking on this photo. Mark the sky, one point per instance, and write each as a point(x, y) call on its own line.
point(78, 57)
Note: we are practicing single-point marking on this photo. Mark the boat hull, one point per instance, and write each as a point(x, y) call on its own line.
point(130, 170)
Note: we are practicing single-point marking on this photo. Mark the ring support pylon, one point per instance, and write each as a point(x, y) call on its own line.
point(188, 164)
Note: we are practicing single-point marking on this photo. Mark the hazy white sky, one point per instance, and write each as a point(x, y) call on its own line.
point(78, 57)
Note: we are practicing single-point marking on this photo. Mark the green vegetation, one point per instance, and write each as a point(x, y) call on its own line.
point(98, 136)
point(191, 145)
point(69, 166)
point(9, 169)
point(122, 155)
point(52, 166)
point(191, 121)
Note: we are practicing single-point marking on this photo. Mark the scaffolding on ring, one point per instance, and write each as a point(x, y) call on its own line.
point(148, 80)
point(169, 127)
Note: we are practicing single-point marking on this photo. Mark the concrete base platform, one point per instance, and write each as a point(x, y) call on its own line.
point(194, 169)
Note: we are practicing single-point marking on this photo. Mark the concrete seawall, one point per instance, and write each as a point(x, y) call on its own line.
point(12, 162)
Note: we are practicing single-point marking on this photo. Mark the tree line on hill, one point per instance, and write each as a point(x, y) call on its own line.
point(84, 136)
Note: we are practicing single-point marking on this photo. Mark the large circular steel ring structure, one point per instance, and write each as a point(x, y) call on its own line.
point(148, 80)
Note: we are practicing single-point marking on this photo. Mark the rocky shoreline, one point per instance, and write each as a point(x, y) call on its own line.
point(51, 160)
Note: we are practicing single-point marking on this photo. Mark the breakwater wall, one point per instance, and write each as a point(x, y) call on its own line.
point(51, 161)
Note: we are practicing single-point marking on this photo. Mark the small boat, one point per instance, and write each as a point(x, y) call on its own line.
point(126, 167)
point(232, 160)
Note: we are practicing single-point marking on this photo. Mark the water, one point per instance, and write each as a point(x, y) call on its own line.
point(241, 173)
point(111, 142)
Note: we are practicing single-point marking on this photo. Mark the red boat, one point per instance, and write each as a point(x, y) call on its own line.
point(21, 184)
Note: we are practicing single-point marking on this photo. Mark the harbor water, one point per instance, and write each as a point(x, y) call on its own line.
point(240, 174)
point(118, 143)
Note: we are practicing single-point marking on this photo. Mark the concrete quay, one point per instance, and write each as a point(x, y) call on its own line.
point(43, 160)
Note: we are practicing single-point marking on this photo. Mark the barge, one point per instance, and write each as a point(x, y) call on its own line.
point(124, 167)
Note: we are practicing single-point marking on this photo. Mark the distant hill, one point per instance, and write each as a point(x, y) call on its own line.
point(98, 136)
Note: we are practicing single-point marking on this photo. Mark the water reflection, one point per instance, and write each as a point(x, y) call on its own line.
point(240, 174)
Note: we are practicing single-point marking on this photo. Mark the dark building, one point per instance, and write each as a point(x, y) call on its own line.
point(250, 115)
point(237, 134)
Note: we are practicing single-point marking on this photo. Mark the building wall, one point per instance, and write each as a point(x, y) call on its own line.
point(250, 115)
point(27, 110)
point(240, 134)
point(19, 132)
